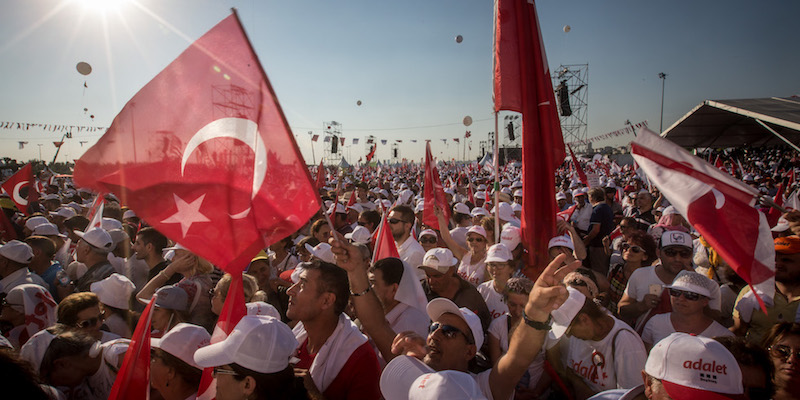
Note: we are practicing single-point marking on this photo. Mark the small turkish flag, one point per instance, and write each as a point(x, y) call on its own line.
point(720, 207)
point(133, 378)
point(385, 246)
point(21, 189)
point(205, 155)
point(433, 191)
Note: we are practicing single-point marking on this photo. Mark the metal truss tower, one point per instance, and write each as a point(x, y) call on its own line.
point(332, 143)
point(571, 84)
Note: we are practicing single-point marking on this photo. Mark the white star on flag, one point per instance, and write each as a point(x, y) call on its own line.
point(187, 214)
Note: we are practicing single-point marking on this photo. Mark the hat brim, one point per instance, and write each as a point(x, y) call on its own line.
point(399, 374)
point(688, 393)
point(214, 355)
point(439, 306)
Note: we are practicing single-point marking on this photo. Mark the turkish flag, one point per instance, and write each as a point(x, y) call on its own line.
point(133, 378)
point(774, 214)
point(204, 154)
point(385, 246)
point(21, 189)
point(720, 207)
point(522, 83)
point(434, 193)
point(581, 174)
point(233, 310)
point(321, 176)
point(566, 214)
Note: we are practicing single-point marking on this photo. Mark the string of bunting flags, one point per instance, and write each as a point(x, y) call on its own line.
point(624, 131)
point(25, 126)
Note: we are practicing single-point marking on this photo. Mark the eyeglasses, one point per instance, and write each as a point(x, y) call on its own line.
point(783, 352)
point(449, 331)
point(88, 323)
point(577, 282)
point(395, 220)
point(635, 249)
point(5, 303)
point(220, 371)
point(686, 295)
point(431, 240)
point(683, 253)
point(474, 239)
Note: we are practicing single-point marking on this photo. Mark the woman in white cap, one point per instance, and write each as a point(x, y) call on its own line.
point(170, 309)
point(428, 239)
point(472, 266)
point(253, 361)
point(114, 293)
point(498, 263)
point(173, 371)
point(689, 296)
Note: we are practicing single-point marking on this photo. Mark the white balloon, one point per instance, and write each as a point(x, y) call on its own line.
point(467, 120)
point(459, 39)
point(567, 28)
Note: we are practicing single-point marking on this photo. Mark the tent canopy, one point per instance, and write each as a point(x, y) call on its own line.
point(734, 123)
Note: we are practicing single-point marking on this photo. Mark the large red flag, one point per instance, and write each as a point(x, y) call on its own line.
point(522, 83)
point(581, 173)
point(232, 312)
point(21, 188)
point(720, 207)
point(434, 193)
point(133, 378)
point(204, 154)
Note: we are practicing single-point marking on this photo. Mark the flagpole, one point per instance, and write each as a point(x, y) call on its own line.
point(496, 180)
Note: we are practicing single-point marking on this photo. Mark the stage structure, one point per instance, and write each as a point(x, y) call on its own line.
point(332, 143)
point(571, 84)
point(395, 153)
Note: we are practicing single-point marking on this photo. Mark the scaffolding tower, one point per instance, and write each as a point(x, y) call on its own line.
point(332, 143)
point(571, 84)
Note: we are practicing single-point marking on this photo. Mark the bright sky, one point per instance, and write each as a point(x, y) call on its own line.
point(399, 58)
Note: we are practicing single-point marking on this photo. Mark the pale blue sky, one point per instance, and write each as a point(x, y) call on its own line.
point(399, 58)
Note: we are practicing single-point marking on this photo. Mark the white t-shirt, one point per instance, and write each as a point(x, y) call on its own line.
point(459, 235)
point(499, 329)
point(581, 217)
point(603, 369)
point(660, 326)
point(412, 253)
point(474, 273)
point(639, 285)
point(494, 300)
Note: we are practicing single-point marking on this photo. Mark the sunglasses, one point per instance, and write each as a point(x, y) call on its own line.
point(686, 295)
point(473, 239)
point(682, 253)
point(449, 331)
point(221, 371)
point(783, 352)
point(635, 249)
point(395, 220)
point(88, 323)
point(431, 240)
point(577, 282)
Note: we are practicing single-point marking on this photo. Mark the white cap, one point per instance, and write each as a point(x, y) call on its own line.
point(670, 210)
point(506, 191)
point(339, 209)
point(516, 207)
point(129, 214)
point(429, 232)
point(518, 193)
point(505, 212)
point(359, 235)
point(676, 238)
point(33, 222)
point(560, 196)
point(563, 316)
point(479, 211)
point(511, 236)
point(118, 236)
point(516, 185)
point(114, 291)
point(17, 251)
point(481, 187)
point(499, 253)
point(690, 281)
point(262, 308)
point(694, 367)
point(64, 212)
point(357, 207)
point(461, 208)
point(439, 259)
point(321, 251)
point(182, 341)
point(258, 343)
point(97, 238)
point(445, 385)
point(399, 374)
point(110, 223)
point(478, 230)
point(47, 229)
point(781, 226)
point(561, 241)
point(443, 305)
point(480, 195)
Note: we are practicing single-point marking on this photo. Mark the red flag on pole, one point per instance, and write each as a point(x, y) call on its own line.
point(522, 83)
point(321, 176)
point(222, 181)
point(434, 193)
point(581, 173)
point(720, 207)
point(15, 187)
point(233, 310)
point(774, 214)
point(385, 246)
point(133, 378)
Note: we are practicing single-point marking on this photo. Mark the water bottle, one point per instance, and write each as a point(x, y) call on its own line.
point(63, 278)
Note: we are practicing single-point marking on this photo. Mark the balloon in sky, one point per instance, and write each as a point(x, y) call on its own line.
point(459, 39)
point(85, 109)
point(467, 120)
point(84, 68)
point(358, 103)
point(567, 28)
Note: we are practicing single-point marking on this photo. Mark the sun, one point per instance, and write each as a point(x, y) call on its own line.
point(102, 6)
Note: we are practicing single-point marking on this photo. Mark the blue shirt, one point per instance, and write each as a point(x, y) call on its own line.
point(49, 277)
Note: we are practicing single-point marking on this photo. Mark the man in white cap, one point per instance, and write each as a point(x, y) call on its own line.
point(338, 214)
point(463, 220)
point(42, 263)
point(456, 334)
point(401, 220)
point(92, 251)
point(644, 295)
point(14, 259)
point(583, 211)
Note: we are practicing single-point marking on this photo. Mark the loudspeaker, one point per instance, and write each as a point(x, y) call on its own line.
point(563, 99)
point(511, 131)
point(394, 151)
point(334, 144)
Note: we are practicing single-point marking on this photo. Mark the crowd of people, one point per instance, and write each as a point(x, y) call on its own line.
point(634, 302)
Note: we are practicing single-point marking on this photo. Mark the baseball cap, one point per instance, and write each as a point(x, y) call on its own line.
point(17, 251)
point(429, 232)
point(262, 308)
point(110, 223)
point(505, 212)
point(114, 291)
point(691, 281)
point(560, 196)
point(477, 229)
point(64, 212)
point(359, 235)
point(563, 315)
point(561, 241)
point(35, 221)
point(694, 367)
point(258, 343)
point(419, 207)
point(781, 225)
point(479, 211)
point(321, 251)
point(399, 374)
point(461, 208)
point(97, 238)
point(442, 305)
point(129, 214)
point(511, 236)
point(788, 244)
point(498, 253)
point(516, 185)
point(182, 341)
point(172, 298)
point(356, 207)
point(439, 259)
point(676, 238)
point(339, 209)
point(518, 193)
point(47, 229)
point(445, 385)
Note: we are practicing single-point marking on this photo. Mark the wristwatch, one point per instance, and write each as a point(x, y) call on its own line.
point(539, 326)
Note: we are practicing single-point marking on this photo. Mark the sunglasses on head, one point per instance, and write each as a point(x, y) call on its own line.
point(88, 323)
point(783, 352)
point(395, 220)
point(449, 331)
point(635, 249)
point(686, 253)
point(686, 295)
